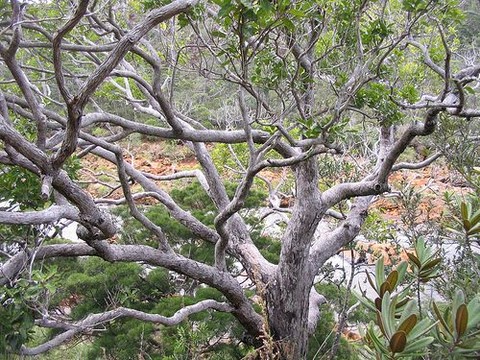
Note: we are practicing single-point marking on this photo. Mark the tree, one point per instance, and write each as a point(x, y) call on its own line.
point(310, 82)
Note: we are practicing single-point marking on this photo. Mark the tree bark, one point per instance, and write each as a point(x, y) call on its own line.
point(288, 294)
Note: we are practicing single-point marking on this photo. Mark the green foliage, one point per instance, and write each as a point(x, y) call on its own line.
point(17, 319)
point(414, 5)
point(19, 304)
point(322, 340)
point(376, 96)
point(233, 156)
point(193, 198)
point(101, 285)
point(393, 337)
point(336, 295)
point(375, 31)
point(469, 29)
point(377, 229)
point(152, 4)
point(458, 328)
point(403, 329)
point(20, 186)
point(461, 270)
point(425, 261)
point(455, 139)
point(333, 171)
point(383, 284)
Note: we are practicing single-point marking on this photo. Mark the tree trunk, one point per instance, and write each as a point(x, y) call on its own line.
point(287, 294)
point(288, 319)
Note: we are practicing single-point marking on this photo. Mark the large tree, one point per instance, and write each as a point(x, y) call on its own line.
point(299, 83)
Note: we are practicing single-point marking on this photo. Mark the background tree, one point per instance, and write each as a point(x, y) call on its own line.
point(288, 84)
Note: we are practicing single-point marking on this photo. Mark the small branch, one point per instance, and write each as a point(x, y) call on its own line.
point(127, 42)
point(56, 45)
point(133, 209)
point(335, 214)
point(46, 189)
point(93, 320)
point(166, 106)
point(416, 166)
point(427, 59)
point(52, 214)
point(181, 175)
point(448, 56)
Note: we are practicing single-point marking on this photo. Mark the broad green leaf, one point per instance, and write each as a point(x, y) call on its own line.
point(401, 270)
point(421, 328)
point(473, 308)
point(432, 263)
point(386, 286)
point(398, 342)
point(419, 345)
point(469, 89)
point(441, 319)
point(474, 230)
point(387, 317)
point(392, 279)
point(463, 210)
point(379, 272)
point(461, 320)
point(475, 218)
point(414, 259)
point(408, 324)
point(380, 323)
point(409, 309)
point(376, 341)
point(420, 249)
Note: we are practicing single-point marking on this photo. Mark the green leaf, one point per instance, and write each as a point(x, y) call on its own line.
point(474, 230)
point(388, 314)
point(408, 324)
point(458, 299)
point(392, 279)
point(380, 323)
point(419, 345)
point(475, 218)
point(420, 248)
point(430, 264)
point(473, 308)
point(409, 309)
point(414, 259)
point(441, 319)
point(379, 272)
point(464, 210)
point(384, 288)
point(421, 328)
point(398, 342)
point(461, 320)
point(370, 281)
point(401, 270)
